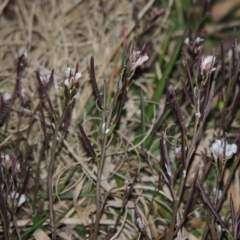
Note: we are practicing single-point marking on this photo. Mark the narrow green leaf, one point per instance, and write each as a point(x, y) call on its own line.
point(143, 120)
point(38, 222)
point(161, 84)
point(151, 137)
point(164, 50)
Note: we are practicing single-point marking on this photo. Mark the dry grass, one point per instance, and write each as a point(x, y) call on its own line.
point(62, 33)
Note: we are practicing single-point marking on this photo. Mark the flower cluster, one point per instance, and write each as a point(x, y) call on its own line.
point(207, 64)
point(70, 77)
point(136, 59)
point(45, 79)
point(193, 45)
point(15, 196)
point(218, 148)
point(6, 96)
point(178, 151)
point(10, 163)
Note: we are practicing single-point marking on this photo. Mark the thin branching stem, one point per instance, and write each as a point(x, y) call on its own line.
point(50, 171)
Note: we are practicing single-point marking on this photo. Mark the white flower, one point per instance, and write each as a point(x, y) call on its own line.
point(6, 96)
point(23, 92)
point(70, 78)
point(68, 82)
point(6, 161)
point(197, 49)
point(230, 150)
point(45, 79)
point(217, 150)
point(15, 195)
point(186, 41)
point(136, 59)
point(208, 63)
point(78, 75)
point(67, 72)
point(178, 151)
point(198, 40)
point(198, 114)
point(7, 158)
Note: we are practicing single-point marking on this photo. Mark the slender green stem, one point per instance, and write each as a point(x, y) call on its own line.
point(50, 172)
point(98, 197)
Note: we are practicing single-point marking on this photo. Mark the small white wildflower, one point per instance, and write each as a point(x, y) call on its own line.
point(68, 83)
point(198, 114)
point(178, 151)
point(208, 63)
point(70, 78)
point(6, 96)
point(136, 59)
point(45, 79)
point(23, 92)
point(197, 49)
point(78, 75)
point(230, 150)
point(6, 161)
point(7, 158)
point(186, 41)
point(217, 149)
point(15, 195)
point(67, 72)
point(198, 40)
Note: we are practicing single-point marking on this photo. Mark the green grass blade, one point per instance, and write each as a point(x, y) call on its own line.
point(143, 120)
point(161, 84)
